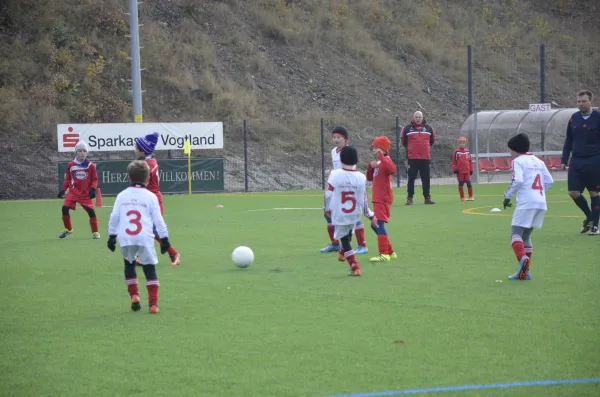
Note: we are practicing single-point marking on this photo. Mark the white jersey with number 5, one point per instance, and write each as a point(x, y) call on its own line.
point(135, 213)
point(530, 181)
point(346, 197)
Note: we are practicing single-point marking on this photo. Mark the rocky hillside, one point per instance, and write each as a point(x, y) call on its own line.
point(280, 64)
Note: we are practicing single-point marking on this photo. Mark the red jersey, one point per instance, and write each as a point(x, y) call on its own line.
point(462, 161)
point(154, 181)
point(382, 179)
point(80, 178)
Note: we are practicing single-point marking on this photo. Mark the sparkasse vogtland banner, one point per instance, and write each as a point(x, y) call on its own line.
point(109, 137)
point(207, 175)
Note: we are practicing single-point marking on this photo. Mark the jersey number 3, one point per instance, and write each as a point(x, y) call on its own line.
point(134, 218)
point(348, 196)
point(537, 184)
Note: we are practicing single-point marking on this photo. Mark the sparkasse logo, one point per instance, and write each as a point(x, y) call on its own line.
point(70, 140)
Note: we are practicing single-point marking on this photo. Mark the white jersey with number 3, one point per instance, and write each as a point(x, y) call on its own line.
point(346, 197)
point(135, 213)
point(530, 181)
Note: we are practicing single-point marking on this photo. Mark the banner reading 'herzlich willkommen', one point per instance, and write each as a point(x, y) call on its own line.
point(116, 137)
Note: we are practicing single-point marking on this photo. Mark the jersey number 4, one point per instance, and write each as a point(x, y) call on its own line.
point(348, 196)
point(134, 218)
point(537, 184)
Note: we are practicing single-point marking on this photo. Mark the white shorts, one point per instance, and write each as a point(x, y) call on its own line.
point(146, 255)
point(342, 231)
point(529, 218)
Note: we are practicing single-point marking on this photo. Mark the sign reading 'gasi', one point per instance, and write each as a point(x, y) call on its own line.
point(121, 136)
point(207, 175)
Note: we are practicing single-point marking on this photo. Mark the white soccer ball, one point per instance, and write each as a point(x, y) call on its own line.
point(242, 256)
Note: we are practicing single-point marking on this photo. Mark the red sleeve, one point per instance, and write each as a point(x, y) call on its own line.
point(471, 163)
point(386, 165)
point(432, 139)
point(370, 172)
point(454, 162)
point(329, 187)
point(94, 175)
point(67, 180)
point(403, 137)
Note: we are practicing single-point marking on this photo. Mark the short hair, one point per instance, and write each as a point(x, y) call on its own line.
point(586, 92)
point(138, 172)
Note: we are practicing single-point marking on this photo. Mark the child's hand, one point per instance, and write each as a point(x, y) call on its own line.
point(374, 223)
point(374, 163)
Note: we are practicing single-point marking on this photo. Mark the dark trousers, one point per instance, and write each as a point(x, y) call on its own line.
point(418, 167)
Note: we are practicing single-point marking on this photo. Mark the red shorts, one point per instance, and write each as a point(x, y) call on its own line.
point(382, 211)
point(464, 177)
point(71, 200)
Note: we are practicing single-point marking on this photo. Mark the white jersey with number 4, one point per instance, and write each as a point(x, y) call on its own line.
point(135, 213)
point(346, 197)
point(530, 181)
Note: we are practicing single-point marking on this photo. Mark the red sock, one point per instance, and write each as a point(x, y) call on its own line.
point(67, 222)
point(470, 189)
point(360, 236)
point(152, 286)
point(331, 230)
point(383, 243)
point(390, 249)
point(94, 224)
point(528, 251)
point(172, 251)
point(519, 248)
point(351, 258)
point(461, 191)
point(132, 286)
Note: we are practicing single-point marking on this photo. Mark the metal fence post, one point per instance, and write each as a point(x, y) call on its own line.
point(397, 151)
point(469, 79)
point(542, 73)
point(322, 155)
point(476, 147)
point(245, 157)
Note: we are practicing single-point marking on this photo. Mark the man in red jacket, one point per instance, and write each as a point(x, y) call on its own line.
point(380, 172)
point(418, 137)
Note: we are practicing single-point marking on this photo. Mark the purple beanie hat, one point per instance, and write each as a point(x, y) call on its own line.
point(147, 143)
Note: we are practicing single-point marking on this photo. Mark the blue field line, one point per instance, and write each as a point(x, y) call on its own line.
point(473, 387)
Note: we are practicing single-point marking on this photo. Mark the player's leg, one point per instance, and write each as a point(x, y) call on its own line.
point(461, 190)
point(592, 178)
point(522, 220)
point(173, 254)
point(349, 253)
point(383, 242)
point(359, 231)
point(575, 185)
point(89, 208)
point(149, 260)
point(334, 245)
point(131, 280)
point(425, 172)
point(66, 218)
point(467, 180)
point(413, 170)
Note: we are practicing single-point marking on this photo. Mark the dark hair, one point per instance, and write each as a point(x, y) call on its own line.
point(586, 92)
point(138, 172)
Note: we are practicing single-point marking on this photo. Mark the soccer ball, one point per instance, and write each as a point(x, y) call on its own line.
point(242, 256)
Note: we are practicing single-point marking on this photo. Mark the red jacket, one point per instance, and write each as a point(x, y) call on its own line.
point(381, 176)
point(80, 178)
point(154, 180)
point(462, 161)
point(417, 139)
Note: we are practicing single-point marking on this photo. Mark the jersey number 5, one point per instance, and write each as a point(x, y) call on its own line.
point(348, 196)
point(134, 218)
point(537, 184)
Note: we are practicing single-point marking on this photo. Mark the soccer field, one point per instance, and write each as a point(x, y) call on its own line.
point(293, 323)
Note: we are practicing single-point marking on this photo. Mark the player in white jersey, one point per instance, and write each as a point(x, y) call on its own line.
point(345, 203)
point(530, 181)
point(339, 136)
point(135, 213)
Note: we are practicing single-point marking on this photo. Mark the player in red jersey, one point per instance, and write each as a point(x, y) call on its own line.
point(81, 180)
point(144, 148)
point(380, 172)
point(462, 164)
